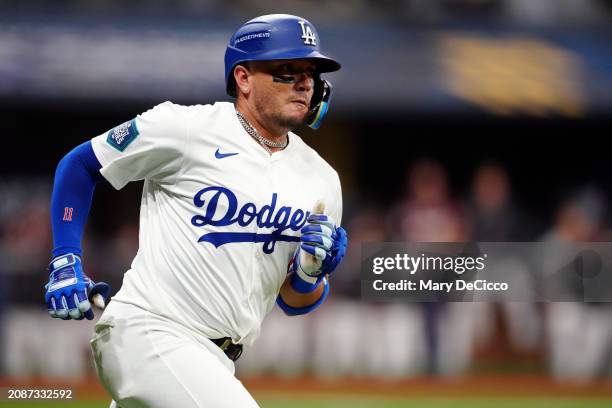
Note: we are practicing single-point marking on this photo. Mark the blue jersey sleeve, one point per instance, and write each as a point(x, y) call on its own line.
point(75, 180)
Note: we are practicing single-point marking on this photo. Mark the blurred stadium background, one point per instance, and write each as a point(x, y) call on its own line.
point(452, 120)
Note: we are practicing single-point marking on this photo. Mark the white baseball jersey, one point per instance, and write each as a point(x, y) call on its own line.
point(219, 218)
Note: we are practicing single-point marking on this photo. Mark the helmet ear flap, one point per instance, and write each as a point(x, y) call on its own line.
point(319, 103)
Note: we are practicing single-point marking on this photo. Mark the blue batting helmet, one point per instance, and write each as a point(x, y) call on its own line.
point(281, 37)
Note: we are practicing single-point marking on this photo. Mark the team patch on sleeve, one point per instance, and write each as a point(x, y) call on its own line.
point(124, 134)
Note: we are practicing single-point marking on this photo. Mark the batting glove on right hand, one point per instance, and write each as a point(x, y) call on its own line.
point(70, 292)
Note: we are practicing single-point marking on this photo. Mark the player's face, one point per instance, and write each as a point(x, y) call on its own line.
point(282, 91)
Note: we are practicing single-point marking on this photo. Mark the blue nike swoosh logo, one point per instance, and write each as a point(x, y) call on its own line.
point(220, 155)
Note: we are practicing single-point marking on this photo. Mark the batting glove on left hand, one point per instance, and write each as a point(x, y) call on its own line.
point(322, 247)
point(69, 291)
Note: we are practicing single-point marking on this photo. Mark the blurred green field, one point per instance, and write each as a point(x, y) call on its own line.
point(351, 401)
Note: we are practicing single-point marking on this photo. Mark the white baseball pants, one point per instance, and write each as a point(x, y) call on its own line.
point(147, 361)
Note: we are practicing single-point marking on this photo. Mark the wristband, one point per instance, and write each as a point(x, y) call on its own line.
point(294, 311)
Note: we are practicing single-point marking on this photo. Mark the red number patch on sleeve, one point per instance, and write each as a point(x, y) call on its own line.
point(67, 214)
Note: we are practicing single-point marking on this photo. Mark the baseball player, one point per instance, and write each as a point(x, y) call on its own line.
point(237, 214)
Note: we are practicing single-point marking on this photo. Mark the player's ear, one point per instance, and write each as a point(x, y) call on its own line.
point(241, 76)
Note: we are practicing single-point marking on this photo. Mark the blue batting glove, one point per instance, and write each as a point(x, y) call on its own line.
point(322, 247)
point(70, 291)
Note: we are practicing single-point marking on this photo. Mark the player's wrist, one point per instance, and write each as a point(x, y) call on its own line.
point(65, 250)
point(303, 283)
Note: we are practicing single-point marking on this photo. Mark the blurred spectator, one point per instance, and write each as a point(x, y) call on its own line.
point(426, 213)
point(494, 217)
point(579, 333)
point(581, 218)
point(24, 213)
point(27, 239)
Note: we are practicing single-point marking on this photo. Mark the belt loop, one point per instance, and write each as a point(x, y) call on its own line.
point(231, 349)
point(225, 344)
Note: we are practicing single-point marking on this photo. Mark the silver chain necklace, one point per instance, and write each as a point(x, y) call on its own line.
point(265, 143)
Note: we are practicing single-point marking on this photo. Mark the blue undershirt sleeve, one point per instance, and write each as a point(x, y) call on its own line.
point(75, 180)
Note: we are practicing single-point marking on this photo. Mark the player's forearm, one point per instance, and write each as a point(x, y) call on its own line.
point(75, 180)
point(294, 298)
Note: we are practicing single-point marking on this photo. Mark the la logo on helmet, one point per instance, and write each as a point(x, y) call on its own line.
point(307, 34)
